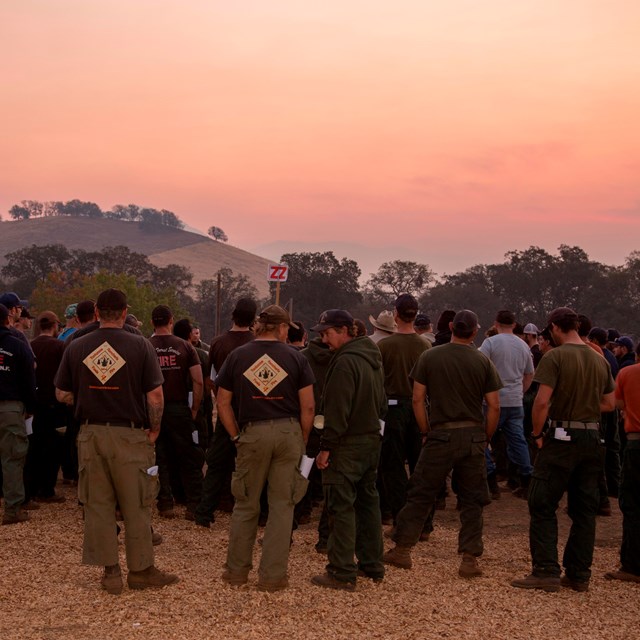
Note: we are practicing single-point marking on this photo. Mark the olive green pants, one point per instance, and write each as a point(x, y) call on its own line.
point(13, 451)
point(268, 452)
point(113, 464)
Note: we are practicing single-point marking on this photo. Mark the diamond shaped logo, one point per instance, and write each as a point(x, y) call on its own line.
point(104, 362)
point(265, 374)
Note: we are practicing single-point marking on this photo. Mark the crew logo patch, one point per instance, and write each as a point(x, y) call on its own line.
point(265, 374)
point(104, 362)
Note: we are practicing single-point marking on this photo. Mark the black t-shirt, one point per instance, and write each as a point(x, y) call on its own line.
point(265, 377)
point(109, 372)
point(223, 345)
point(175, 357)
point(48, 351)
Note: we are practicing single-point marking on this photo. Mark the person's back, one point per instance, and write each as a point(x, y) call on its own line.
point(512, 358)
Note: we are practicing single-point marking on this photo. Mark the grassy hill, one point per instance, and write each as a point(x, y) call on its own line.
point(163, 246)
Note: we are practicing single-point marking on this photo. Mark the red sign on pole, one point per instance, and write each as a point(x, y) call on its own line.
point(278, 273)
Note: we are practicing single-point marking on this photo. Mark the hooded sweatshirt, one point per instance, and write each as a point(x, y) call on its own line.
point(319, 356)
point(354, 398)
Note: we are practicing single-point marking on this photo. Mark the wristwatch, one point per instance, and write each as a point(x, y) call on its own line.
point(235, 438)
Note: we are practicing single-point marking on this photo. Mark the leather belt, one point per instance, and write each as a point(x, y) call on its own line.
point(574, 424)
point(266, 423)
point(461, 424)
point(129, 424)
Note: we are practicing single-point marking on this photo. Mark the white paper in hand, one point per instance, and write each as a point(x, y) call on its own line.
point(305, 466)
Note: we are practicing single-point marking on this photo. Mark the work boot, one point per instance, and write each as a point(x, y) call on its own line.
point(150, 578)
point(111, 580)
point(424, 536)
point(494, 489)
point(576, 585)
point(469, 567)
point(56, 497)
point(390, 533)
point(321, 547)
point(523, 490)
point(329, 582)
point(234, 579)
point(156, 538)
point(30, 505)
point(15, 518)
point(623, 575)
point(374, 578)
point(167, 513)
point(398, 557)
point(272, 585)
point(544, 583)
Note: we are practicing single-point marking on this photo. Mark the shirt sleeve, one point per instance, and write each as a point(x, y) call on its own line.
point(547, 371)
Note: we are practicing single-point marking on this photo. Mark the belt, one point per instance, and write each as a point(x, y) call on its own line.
point(574, 424)
point(634, 435)
point(129, 424)
point(266, 423)
point(460, 424)
point(11, 405)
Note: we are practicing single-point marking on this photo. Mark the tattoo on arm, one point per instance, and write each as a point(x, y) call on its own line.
point(155, 414)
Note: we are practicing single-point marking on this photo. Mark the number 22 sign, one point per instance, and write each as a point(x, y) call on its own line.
point(278, 273)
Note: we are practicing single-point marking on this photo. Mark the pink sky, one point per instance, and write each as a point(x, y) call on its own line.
point(447, 134)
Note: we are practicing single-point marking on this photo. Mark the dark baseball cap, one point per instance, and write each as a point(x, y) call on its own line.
point(562, 314)
point(624, 341)
point(47, 319)
point(422, 321)
point(11, 299)
point(274, 314)
point(111, 300)
point(25, 313)
point(465, 321)
point(598, 335)
point(612, 335)
point(406, 304)
point(161, 314)
point(505, 317)
point(333, 318)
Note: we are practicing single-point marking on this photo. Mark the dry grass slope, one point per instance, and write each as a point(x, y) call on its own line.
point(163, 246)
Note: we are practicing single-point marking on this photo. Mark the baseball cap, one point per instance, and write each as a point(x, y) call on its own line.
point(505, 317)
point(333, 318)
point(598, 335)
point(46, 320)
point(274, 314)
point(624, 341)
point(70, 311)
point(245, 305)
point(111, 300)
point(465, 320)
point(612, 335)
point(531, 328)
point(161, 314)
point(422, 321)
point(132, 320)
point(25, 313)
point(406, 305)
point(562, 314)
point(11, 299)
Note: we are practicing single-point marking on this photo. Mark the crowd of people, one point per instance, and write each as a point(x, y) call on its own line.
point(269, 422)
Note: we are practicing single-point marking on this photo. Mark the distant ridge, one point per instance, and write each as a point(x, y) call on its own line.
point(163, 245)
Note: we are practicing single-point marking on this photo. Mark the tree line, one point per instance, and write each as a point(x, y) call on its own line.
point(52, 277)
point(530, 282)
point(147, 217)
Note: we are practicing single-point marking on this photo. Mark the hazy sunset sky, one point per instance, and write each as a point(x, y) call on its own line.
point(445, 132)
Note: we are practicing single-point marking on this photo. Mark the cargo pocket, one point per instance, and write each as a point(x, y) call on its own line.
point(539, 489)
point(149, 486)
point(83, 485)
point(331, 476)
point(298, 487)
point(20, 446)
point(239, 488)
point(85, 439)
point(478, 444)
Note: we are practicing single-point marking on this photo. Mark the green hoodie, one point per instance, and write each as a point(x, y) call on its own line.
point(354, 398)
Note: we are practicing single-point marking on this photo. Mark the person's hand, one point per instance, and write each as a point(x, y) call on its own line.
point(152, 435)
point(322, 459)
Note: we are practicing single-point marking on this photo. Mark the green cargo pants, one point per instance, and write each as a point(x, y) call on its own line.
point(13, 452)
